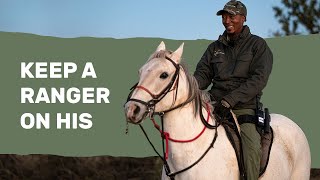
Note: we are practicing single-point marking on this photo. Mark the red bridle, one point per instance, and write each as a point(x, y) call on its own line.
point(155, 96)
point(173, 85)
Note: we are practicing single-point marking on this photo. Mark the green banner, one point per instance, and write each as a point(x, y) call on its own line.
point(65, 96)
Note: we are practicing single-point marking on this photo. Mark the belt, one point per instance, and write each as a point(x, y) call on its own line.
point(247, 119)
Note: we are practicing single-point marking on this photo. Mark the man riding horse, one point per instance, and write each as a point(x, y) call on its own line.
point(238, 65)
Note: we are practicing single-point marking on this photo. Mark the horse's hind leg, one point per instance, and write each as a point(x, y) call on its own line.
point(302, 172)
point(301, 169)
point(302, 164)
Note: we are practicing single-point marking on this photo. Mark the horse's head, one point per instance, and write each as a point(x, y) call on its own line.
point(158, 84)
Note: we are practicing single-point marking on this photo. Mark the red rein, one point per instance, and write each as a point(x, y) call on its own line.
point(167, 135)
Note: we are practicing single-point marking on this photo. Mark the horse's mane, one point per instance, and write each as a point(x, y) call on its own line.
point(200, 97)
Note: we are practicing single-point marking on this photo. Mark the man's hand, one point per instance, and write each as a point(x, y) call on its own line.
point(225, 103)
point(222, 109)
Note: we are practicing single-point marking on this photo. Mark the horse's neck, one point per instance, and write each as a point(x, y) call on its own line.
point(181, 124)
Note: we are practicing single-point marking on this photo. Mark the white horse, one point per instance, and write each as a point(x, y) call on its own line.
point(165, 86)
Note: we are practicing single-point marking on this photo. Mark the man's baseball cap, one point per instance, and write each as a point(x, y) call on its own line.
point(234, 7)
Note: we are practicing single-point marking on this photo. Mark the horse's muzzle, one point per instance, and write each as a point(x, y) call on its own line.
point(135, 112)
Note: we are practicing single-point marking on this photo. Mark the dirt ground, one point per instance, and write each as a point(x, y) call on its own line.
point(47, 167)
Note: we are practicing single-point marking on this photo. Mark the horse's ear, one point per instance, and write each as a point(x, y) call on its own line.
point(176, 56)
point(161, 47)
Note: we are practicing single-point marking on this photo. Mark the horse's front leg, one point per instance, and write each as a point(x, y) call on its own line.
point(164, 176)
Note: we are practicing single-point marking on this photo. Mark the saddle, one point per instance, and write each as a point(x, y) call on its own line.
point(235, 139)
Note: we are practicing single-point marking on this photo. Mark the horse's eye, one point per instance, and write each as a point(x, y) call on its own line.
point(164, 75)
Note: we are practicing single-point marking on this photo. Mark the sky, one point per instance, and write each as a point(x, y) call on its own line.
point(169, 19)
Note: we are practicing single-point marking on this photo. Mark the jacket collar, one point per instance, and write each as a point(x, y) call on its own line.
point(243, 35)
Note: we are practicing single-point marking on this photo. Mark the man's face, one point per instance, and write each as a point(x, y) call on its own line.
point(232, 23)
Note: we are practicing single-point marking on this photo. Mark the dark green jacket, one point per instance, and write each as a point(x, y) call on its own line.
point(238, 73)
